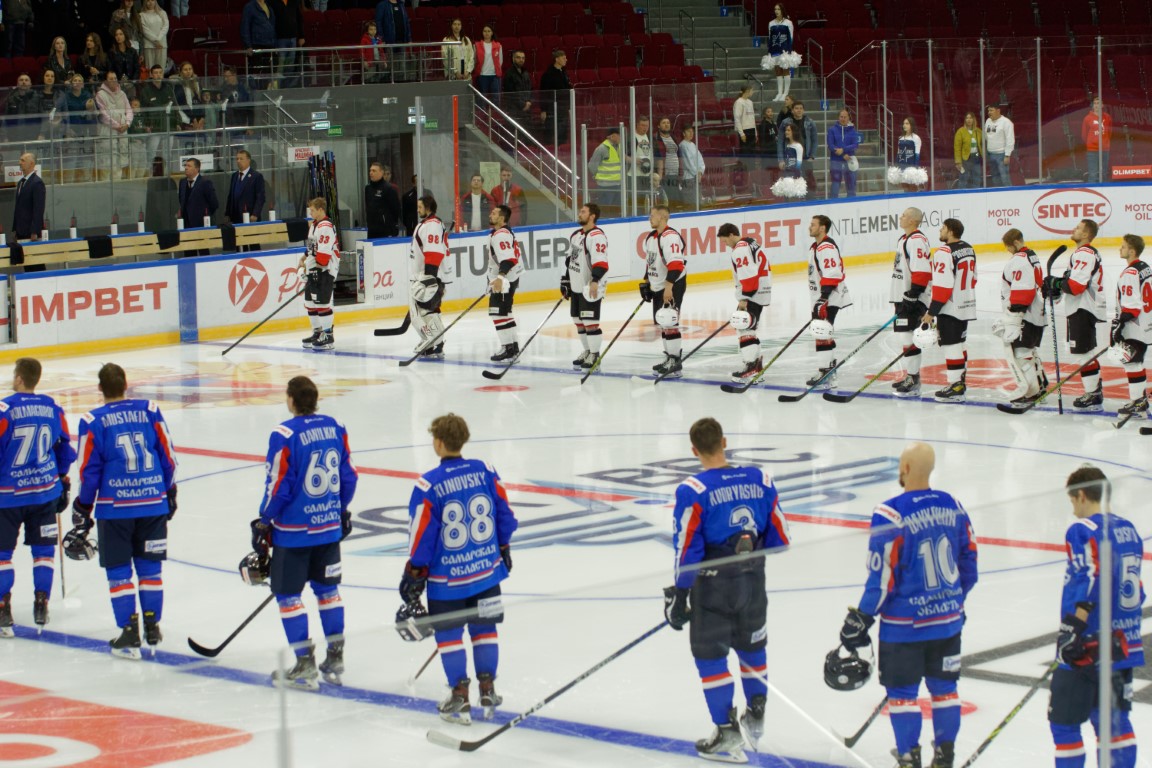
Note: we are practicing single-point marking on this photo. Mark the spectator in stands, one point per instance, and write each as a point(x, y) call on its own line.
point(23, 110)
point(744, 119)
point(115, 118)
point(28, 207)
point(179, 8)
point(769, 132)
point(806, 136)
point(18, 17)
point(475, 205)
point(517, 91)
point(211, 109)
point(843, 141)
point(554, 87)
point(781, 40)
point(641, 163)
point(139, 162)
point(245, 191)
point(408, 207)
point(967, 146)
point(381, 204)
point(197, 197)
point(606, 168)
point(459, 60)
point(51, 99)
point(127, 18)
point(1000, 140)
point(1096, 131)
point(123, 59)
point(235, 93)
point(320, 5)
point(785, 113)
point(258, 32)
point(372, 55)
point(793, 152)
point(79, 107)
point(908, 149)
point(187, 90)
point(59, 61)
point(289, 36)
point(93, 62)
point(668, 161)
point(156, 101)
point(691, 165)
point(512, 195)
point(153, 34)
point(394, 28)
point(489, 64)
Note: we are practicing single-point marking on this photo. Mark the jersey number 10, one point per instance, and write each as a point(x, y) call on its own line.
point(939, 564)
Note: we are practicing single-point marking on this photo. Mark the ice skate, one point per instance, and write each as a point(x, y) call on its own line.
point(507, 352)
point(726, 744)
point(944, 755)
point(6, 616)
point(579, 361)
point(1138, 408)
point(40, 610)
point(749, 371)
point(825, 378)
point(752, 721)
point(455, 708)
point(953, 393)
point(127, 645)
point(303, 676)
point(1027, 399)
point(671, 368)
point(909, 386)
point(309, 341)
point(152, 634)
point(910, 759)
point(489, 699)
point(324, 341)
point(589, 360)
point(1091, 402)
point(333, 666)
point(433, 353)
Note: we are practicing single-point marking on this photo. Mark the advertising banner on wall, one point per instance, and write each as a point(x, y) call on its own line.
point(244, 290)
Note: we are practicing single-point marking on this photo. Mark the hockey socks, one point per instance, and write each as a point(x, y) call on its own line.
point(452, 655)
point(295, 621)
point(753, 673)
point(956, 359)
point(750, 348)
point(43, 569)
point(945, 709)
point(331, 611)
point(151, 586)
point(1123, 737)
point(718, 687)
point(1069, 746)
point(594, 336)
point(505, 329)
point(485, 648)
point(1090, 376)
point(314, 319)
point(123, 593)
point(904, 712)
point(671, 341)
point(1137, 380)
point(583, 334)
point(825, 351)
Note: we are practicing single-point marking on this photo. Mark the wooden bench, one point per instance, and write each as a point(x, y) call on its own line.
point(199, 239)
point(263, 234)
point(52, 252)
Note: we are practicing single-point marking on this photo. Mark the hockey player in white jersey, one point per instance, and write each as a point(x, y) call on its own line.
point(664, 284)
point(1131, 329)
point(829, 294)
point(504, 270)
point(911, 276)
point(753, 276)
point(585, 281)
point(953, 307)
point(1021, 327)
point(425, 287)
point(320, 265)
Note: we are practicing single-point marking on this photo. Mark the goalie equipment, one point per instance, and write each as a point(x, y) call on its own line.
point(255, 569)
point(741, 320)
point(821, 330)
point(424, 291)
point(412, 622)
point(926, 336)
point(1009, 327)
point(846, 673)
point(77, 546)
point(667, 317)
point(1122, 353)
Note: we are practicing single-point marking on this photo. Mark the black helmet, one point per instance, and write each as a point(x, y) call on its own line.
point(846, 673)
point(77, 546)
point(412, 622)
point(255, 569)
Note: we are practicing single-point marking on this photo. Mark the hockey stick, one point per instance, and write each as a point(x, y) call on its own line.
point(443, 740)
point(1052, 314)
point(1015, 710)
point(850, 741)
point(273, 314)
point(1119, 424)
point(829, 372)
point(60, 551)
point(400, 330)
point(432, 342)
point(836, 397)
point(596, 365)
point(500, 375)
point(1018, 409)
point(412, 680)
point(695, 349)
point(214, 652)
point(1146, 430)
point(739, 389)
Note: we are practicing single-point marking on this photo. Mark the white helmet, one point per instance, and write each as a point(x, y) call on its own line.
point(741, 320)
point(925, 336)
point(821, 330)
point(667, 317)
point(1121, 353)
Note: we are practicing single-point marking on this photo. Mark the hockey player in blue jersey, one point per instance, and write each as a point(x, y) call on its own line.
point(35, 455)
point(128, 479)
point(725, 518)
point(303, 518)
point(1075, 686)
point(921, 566)
point(461, 526)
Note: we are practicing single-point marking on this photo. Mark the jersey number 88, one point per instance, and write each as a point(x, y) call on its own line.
point(474, 525)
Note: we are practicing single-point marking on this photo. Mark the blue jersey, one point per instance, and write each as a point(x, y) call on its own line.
point(908, 151)
point(717, 506)
point(921, 566)
point(779, 38)
point(1081, 579)
point(460, 518)
point(35, 450)
point(127, 461)
point(311, 480)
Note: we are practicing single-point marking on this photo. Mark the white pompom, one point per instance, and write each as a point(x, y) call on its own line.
point(789, 60)
point(790, 187)
point(767, 62)
point(917, 176)
point(894, 176)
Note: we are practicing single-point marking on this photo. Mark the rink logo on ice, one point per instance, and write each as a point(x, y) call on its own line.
point(248, 285)
point(1060, 210)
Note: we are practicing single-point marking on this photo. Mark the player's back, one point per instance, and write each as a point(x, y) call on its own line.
point(125, 448)
point(308, 475)
point(31, 461)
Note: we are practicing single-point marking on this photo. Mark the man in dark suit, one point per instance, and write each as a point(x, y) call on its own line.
point(245, 193)
point(197, 199)
point(28, 217)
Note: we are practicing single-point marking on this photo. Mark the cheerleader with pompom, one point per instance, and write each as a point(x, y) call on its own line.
point(912, 176)
point(781, 39)
point(791, 183)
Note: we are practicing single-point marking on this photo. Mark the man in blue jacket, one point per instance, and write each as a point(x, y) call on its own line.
point(843, 141)
point(393, 27)
point(258, 31)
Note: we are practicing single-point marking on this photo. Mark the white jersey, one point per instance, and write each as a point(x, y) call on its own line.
point(323, 247)
point(1086, 280)
point(1134, 297)
point(1020, 286)
point(503, 248)
point(589, 251)
point(954, 280)
point(912, 266)
point(826, 269)
point(752, 271)
point(664, 253)
point(429, 247)
point(642, 154)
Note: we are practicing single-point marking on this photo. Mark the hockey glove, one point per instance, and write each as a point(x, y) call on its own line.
point(261, 537)
point(1117, 330)
point(820, 309)
point(854, 633)
point(506, 556)
point(565, 288)
point(345, 523)
point(676, 611)
point(65, 494)
point(645, 291)
point(172, 502)
point(82, 515)
point(1071, 646)
point(412, 583)
point(1052, 286)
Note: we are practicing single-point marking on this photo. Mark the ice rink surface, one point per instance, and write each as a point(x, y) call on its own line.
point(591, 471)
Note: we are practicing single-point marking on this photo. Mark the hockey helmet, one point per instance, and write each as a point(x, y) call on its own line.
point(925, 336)
point(846, 673)
point(667, 317)
point(741, 320)
point(412, 622)
point(821, 330)
point(77, 545)
point(255, 569)
point(1122, 353)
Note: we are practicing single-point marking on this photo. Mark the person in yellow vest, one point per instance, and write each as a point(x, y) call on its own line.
point(606, 168)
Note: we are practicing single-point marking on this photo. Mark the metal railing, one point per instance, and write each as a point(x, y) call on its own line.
point(885, 121)
point(691, 31)
point(716, 47)
point(854, 93)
